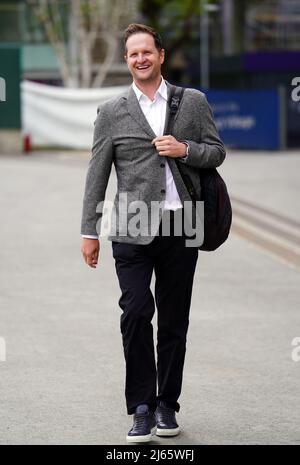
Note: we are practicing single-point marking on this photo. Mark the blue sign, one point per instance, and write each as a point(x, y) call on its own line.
point(247, 119)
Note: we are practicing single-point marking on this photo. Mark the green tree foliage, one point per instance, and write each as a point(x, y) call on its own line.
point(178, 21)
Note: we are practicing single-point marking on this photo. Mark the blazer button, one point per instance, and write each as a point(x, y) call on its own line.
point(162, 165)
point(163, 191)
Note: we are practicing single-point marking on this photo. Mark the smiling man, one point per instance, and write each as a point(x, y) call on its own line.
point(129, 133)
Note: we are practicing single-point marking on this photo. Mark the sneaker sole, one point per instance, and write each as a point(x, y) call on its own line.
point(145, 438)
point(167, 432)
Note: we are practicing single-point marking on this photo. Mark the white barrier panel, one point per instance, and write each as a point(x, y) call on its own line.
point(61, 117)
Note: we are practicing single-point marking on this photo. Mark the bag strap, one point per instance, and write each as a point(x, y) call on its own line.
point(174, 100)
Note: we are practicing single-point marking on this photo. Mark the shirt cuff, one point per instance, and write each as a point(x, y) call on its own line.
point(87, 236)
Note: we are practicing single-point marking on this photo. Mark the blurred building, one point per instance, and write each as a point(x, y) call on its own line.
point(258, 45)
point(252, 45)
point(19, 26)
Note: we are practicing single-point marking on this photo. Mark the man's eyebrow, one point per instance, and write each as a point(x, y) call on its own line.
point(136, 51)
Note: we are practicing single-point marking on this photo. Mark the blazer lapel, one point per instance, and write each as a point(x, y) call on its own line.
point(137, 114)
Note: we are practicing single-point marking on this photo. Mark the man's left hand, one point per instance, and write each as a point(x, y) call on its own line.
point(168, 146)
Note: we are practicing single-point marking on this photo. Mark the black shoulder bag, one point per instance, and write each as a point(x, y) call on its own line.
point(217, 205)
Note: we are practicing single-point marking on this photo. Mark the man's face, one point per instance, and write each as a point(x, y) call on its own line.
point(143, 59)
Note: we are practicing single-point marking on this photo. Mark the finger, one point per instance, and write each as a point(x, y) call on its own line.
point(97, 251)
point(95, 259)
point(96, 256)
point(163, 146)
point(90, 262)
point(159, 138)
point(164, 149)
point(163, 142)
point(164, 153)
point(88, 257)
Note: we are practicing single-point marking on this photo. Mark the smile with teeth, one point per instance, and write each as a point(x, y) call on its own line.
point(143, 67)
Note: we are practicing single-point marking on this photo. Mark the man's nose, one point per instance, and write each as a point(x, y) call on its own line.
point(141, 58)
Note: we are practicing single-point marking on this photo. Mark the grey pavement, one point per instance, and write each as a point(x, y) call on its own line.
point(63, 378)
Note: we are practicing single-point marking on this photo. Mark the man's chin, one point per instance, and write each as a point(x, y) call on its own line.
point(146, 78)
point(143, 77)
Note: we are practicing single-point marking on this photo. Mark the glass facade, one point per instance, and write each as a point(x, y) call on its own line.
point(273, 25)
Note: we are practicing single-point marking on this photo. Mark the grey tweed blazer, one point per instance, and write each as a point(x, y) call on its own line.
point(122, 136)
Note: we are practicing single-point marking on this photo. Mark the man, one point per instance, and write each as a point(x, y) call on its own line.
point(129, 133)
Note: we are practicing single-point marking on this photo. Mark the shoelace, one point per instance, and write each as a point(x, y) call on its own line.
point(167, 412)
point(140, 419)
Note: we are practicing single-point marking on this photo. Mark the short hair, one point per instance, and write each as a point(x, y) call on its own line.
point(136, 28)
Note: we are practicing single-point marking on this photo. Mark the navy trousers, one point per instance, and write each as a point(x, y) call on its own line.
point(174, 265)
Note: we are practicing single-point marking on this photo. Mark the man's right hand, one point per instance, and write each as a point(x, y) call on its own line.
point(90, 250)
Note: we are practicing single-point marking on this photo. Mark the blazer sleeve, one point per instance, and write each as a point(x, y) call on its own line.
point(210, 152)
point(98, 174)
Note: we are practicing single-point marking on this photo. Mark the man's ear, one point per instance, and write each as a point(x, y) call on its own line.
point(162, 56)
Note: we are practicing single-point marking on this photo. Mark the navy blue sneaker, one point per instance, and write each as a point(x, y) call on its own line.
point(144, 425)
point(166, 420)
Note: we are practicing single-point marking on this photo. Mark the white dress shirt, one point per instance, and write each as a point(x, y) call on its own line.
point(155, 113)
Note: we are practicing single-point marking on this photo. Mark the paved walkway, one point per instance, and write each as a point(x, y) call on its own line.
point(63, 378)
